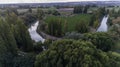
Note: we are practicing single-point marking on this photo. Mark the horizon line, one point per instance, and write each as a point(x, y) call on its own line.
point(55, 2)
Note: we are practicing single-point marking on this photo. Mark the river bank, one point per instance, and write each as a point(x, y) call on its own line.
point(41, 36)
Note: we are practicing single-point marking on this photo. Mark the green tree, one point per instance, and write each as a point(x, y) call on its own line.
point(92, 20)
point(56, 13)
point(96, 23)
point(73, 35)
point(40, 14)
point(12, 10)
point(86, 9)
point(38, 47)
point(24, 60)
point(51, 10)
point(82, 27)
point(29, 18)
point(115, 59)
point(20, 32)
point(3, 51)
point(8, 37)
point(101, 40)
point(78, 9)
point(10, 19)
point(47, 43)
point(22, 36)
point(115, 31)
point(55, 27)
point(99, 13)
point(8, 46)
point(72, 53)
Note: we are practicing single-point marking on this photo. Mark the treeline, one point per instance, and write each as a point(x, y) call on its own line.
point(55, 28)
point(98, 14)
point(14, 37)
point(58, 26)
point(81, 9)
point(28, 16)
point(101, 11)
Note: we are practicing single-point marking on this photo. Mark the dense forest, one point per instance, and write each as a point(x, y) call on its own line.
point(76, 43)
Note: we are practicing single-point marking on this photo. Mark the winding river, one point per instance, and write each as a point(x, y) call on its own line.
point(33, 33)
point(36, 37)
point(103, 27)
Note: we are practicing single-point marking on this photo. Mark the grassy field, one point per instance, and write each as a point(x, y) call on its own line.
point(72, 20)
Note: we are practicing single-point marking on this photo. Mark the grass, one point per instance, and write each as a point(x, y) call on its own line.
point(72, 20)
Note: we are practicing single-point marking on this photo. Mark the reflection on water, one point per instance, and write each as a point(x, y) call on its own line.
point(33, 33)
point(103, 27)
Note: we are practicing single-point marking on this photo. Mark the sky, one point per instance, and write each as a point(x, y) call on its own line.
point(45, 1)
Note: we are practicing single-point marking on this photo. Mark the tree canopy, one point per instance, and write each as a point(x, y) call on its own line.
point(101, 40)
point(72, 53)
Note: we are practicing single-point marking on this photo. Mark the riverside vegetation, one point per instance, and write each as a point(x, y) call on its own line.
point(79, 44)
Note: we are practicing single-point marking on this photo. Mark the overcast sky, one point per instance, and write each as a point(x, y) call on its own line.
point(44, 1)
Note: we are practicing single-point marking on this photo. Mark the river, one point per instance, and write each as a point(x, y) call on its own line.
point(103, 27)
point(33, 33)
point(36, 37)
